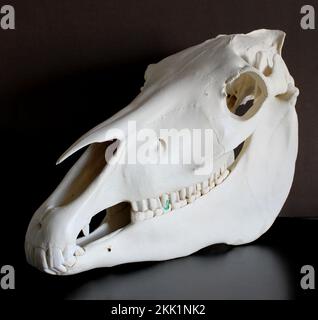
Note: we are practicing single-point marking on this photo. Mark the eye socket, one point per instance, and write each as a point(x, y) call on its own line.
point(244, 95)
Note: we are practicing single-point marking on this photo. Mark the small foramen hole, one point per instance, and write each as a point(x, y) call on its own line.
point(109, 249)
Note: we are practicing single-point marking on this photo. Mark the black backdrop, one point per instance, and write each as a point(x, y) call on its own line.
point(71, 64)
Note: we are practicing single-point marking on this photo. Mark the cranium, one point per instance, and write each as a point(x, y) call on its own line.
point(159, 212)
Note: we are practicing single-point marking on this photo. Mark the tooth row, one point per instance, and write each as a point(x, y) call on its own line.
point(149, 208)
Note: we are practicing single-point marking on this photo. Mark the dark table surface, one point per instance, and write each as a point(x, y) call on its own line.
point(269, 268)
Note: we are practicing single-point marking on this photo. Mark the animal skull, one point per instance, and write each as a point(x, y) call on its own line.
point(159, 212)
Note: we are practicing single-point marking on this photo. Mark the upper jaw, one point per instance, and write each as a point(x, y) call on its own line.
point(54, 249)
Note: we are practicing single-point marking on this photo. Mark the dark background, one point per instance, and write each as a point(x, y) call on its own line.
point(71, 64)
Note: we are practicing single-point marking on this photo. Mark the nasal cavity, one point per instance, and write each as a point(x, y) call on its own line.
point(84, 172)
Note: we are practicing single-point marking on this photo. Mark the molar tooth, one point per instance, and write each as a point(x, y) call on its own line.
point(163, 199)
point(158, 212)
point(134, 206)
point(144, 205)
point(173, 197)
point(166, 205)
point(205, 190)
point(189, 192)
point(153, 204)
point(198, 187)
point(140, 216)
point(191, 198)
point(182, 194)
point(183, 203)
point(222, 177)
point(148, 214)
point(205, 184)
point(176, 205)
point(133, 216)
point(139, 205)
point(86, 230)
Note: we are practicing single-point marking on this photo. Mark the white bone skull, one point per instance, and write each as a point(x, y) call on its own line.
point(159, 212)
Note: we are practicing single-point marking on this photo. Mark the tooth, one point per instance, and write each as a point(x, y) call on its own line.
point(133, 216)
point(163, 199)
point(139, 205)
point(222, 177)
point(182, 194)
point(158, 212)
point(205, 190)
point(173, 197)
point(140, 216)
point(167, 206)
point(189, 191)
point(198, 194)
point(153, 204)
point(134, 206)
point(149, 214)
point(211, 183)
point(198, 186)
point(176, 205)
point(144, 205)
point(183, 203)
point(204, 184)
point(86, 230)
point(191, 199)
